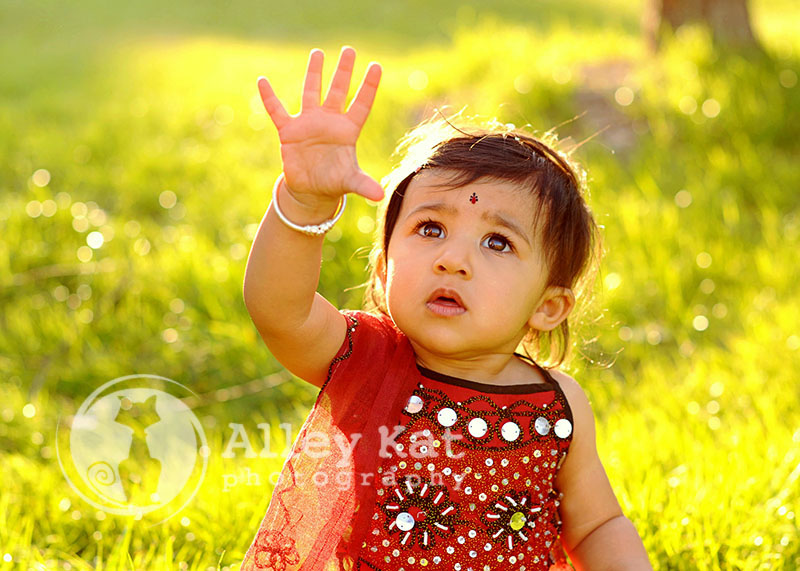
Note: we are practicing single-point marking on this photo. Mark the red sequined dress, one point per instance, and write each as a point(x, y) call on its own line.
point(448, 473)
point(469, 484)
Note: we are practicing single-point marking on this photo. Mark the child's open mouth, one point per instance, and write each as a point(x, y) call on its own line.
point(446, 303)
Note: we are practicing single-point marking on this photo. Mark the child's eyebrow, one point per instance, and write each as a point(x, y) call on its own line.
point(509, 223)
point(440, 207)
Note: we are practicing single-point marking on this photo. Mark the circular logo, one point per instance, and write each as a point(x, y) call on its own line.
point(134, 448)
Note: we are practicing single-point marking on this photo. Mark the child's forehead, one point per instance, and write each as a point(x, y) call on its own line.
point(443, 191)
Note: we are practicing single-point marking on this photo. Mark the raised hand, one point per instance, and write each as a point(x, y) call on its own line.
point(318, 145)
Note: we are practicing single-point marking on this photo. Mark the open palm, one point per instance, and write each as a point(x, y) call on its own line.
point(318, 145)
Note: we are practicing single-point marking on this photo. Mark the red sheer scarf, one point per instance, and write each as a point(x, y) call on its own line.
point(325, 495)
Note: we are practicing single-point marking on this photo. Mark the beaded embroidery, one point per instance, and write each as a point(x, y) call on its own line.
point(469, 483)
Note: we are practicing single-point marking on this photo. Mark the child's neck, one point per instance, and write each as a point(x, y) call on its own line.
point(492, 369)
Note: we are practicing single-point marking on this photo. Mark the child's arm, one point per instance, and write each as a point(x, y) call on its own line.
point(318, 148)
point(596, 534)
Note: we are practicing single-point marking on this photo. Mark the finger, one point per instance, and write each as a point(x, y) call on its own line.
point(365, 186)
point(313, 81)
point(340, 84)
point(272, 104)
point(362, 103)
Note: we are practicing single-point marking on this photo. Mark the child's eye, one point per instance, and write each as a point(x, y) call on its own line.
point(430, 230)
point(497, 243)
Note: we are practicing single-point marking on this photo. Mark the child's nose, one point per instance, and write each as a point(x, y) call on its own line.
point(453, 259)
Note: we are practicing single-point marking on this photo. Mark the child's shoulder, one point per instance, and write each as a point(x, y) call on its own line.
point(577, 399)
point(371, 322)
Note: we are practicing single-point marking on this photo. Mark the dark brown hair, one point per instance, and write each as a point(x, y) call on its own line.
point(564, 223)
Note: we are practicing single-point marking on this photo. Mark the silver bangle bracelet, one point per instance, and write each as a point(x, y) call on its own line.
point(311, 229)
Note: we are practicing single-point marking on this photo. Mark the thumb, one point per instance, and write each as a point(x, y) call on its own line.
point(366, 186)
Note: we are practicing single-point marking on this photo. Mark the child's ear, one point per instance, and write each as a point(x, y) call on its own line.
point(380, 269)
point(555, 306)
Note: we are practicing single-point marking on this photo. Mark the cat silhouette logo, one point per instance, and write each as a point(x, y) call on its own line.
point(134, 448)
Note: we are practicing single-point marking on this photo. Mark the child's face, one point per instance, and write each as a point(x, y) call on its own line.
point(465, 275)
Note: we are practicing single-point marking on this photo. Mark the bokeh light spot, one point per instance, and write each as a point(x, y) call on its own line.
point(703, 260)
point(107, 232)
point(33, 209)
point(711, 108)
point(624, 95)
point(132, 228)
point(49, 208)
point(334, 235)
point(700, 323)
point(97, 216)
point(788, 78)
point(29, 410)
point(142, 246)
point(73, 301)
point(683, 198)
point(63, 199)
point(256, 105)
point(84, 253)
point(86, 316)
point(612, 281)
point(80, 224)
point(238, 251)
point(167, 199)
point(223, 115)
point(169, 335)
point(687, 105)
point(78, 209)
point(523, 84)
point(94, 240)
point(41, 177)
point(60, 293)
point(654, 337)
point(707, 286)
point(365, 224)
point(562, 75)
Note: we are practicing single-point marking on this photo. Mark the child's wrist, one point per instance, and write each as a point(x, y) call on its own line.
point(304, 209)
point(303, 217)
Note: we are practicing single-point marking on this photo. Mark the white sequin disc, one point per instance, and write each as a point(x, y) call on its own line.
point(510, 431)
point(477, 427)
point(542, 425)
point(414, 405)
point(404, 521)
point(563, 428)
point(447, 417)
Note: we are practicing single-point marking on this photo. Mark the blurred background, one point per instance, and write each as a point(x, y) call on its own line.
point(136, 161)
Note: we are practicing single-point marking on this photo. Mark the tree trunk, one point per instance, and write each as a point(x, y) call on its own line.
point(729, 20)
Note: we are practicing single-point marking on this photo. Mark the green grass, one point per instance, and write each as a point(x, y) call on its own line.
point(692, 371)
